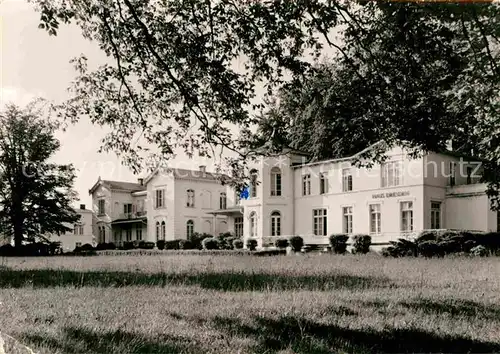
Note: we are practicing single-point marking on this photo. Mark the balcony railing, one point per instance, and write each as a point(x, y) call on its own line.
point(138, 214)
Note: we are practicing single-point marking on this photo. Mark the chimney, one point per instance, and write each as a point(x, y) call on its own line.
point(82, 206)
point(140, 181)
point(203, 168)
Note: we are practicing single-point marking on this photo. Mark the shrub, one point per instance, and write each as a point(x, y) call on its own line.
point(269, 253)
point(111, 246)
point(237, 244)
point(426, 236)
point(172, 244)
point(210, 243)
point(129, 245)
point(339, 243)
point(145, 245)
point(429, 248)
point(402, 248)
point(197, 239)
point(160, 244)
point(281, 243)
point(296, 242)
point(87, 247)
point(185, 245)
point(225, 243)
point(251, 244)
point(362, 243)
point(490, 240)
point(479, 251)
point(101, 246)
point(7, 250)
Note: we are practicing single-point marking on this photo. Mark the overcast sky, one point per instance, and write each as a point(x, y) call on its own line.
point(34, 64)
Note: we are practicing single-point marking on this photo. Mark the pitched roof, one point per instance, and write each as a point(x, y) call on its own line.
point(126, 186)
point(181, 173)
point(129, 186)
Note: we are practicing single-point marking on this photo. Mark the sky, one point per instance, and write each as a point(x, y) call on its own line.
point(34, 64)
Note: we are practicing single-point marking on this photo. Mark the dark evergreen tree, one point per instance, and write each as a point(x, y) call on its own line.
point(35, 194)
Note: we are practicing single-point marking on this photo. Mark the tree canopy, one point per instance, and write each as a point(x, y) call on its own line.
point(186, 71)
point(35, 194)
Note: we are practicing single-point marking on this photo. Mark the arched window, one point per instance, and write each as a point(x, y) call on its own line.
point(253, 224)
point(189, 229)
point(190, 198)
point(206, 200)
point(253, 183)
point(275, 223)
point(237, 198)
point(223, 201)
point(207, 227)
point(222, 226)
point(163, 230)
point(157, 230)
point(275, 182)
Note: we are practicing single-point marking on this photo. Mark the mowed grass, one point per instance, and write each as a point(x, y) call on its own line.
point(245, 304)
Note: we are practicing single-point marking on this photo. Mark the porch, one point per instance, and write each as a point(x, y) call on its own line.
point(129, 228)
point(234, 216)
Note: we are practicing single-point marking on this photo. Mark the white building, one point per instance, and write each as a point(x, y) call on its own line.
point(290, 195)
point(169, 204)
point(83, 231)
point(399, 198)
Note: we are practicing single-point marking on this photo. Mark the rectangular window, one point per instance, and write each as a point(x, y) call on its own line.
point(320, 222)
point(238, 227)
point(347, 220)
point(323, 184)
point(407, 216)
point(306, 185)
point(138, 232)
point(391, 174)
point(275, 182)
point(101, 206)
point(159, 198)
point(435, 215)
point(127, 208)
point(128, 234)
point(346, 180)
point(469, 175)
point(76, 229)
point(375, 219)
point(453, 166)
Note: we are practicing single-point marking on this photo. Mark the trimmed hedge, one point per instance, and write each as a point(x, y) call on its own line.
point(237, 244)
point(362, 243)
point(296, 242)
point(281, 243)
point(210, 244)
point(338, 242)
point(155, 252)
point(251, 244)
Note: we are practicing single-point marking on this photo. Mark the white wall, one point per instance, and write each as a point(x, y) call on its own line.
point(69, 239)
point(207, 198)
point(165, 181)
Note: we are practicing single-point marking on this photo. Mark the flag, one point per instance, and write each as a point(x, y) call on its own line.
point(244, 193)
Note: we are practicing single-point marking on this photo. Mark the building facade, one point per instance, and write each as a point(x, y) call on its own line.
point(398, 198)
point(291, 195)
point(83, 231)
point(168, 204)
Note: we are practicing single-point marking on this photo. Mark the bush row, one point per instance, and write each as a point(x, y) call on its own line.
point(439, 244)
point(153, 252)
point(31, 249)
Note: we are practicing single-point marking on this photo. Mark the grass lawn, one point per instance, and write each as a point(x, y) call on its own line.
point(245, 304)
